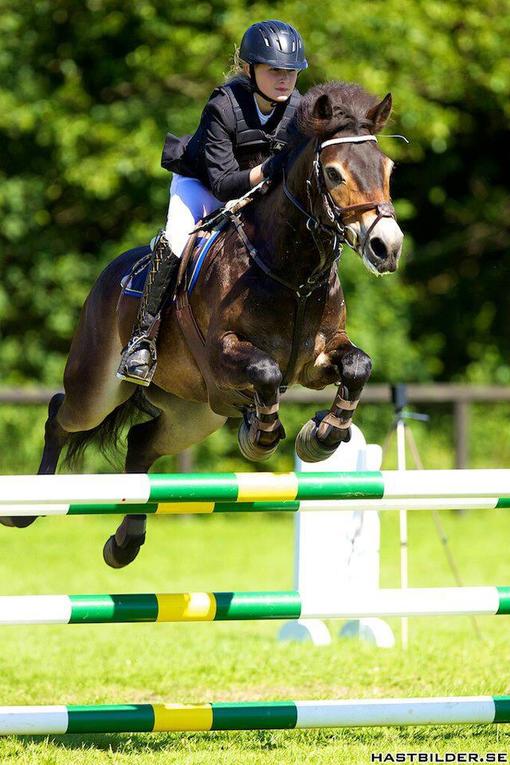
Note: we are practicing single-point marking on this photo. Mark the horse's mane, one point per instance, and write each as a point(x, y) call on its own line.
point(350, 104)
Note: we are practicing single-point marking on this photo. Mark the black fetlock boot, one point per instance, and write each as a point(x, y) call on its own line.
point(138, 360)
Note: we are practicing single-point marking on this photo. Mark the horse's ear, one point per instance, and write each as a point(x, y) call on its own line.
point(322, 108)
point(380, 113)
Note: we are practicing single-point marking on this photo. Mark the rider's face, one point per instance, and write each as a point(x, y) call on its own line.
point(275, 83)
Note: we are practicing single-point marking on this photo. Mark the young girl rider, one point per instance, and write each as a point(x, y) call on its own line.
point(243, 127)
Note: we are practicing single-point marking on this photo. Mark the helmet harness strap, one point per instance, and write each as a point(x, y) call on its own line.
point(256, 88)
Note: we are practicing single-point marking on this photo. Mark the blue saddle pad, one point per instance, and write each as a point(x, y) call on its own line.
point(198, 261)
point(133, 281)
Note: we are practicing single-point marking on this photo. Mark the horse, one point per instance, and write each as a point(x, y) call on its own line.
point(266, 312)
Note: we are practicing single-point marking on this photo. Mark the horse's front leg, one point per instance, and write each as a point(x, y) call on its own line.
point(348, 365)
point(240, 364)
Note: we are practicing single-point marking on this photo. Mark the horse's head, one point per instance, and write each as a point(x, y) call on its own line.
point(352, 173)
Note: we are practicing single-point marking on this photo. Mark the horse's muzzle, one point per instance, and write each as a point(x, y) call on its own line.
point(383, 247)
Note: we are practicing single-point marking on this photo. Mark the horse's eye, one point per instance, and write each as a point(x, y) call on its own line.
point(333, 175)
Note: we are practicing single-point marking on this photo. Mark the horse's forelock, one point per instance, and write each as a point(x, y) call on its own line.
point(349, 106)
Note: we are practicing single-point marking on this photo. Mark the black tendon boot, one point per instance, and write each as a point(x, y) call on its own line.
point(138, 360)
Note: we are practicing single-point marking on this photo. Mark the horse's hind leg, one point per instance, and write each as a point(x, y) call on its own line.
point(180, 424)
point(55, 438)
point(123, 546)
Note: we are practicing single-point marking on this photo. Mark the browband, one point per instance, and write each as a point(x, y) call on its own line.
point(358, 139)
point(348, 139)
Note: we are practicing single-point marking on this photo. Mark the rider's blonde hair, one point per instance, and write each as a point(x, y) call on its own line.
point(236, 68)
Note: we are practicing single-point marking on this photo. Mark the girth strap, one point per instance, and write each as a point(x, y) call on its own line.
point(299, 316)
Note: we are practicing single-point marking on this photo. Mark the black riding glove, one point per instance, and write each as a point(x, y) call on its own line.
point(273, 167)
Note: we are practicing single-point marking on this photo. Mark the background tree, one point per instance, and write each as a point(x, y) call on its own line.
point(88, 90)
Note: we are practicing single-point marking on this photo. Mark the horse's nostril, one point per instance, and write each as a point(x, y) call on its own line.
point(379, 248)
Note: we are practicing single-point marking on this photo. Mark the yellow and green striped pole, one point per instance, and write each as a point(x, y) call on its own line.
point(238, 606)
point(196, 508)
point(252, 715)
point(253, 492)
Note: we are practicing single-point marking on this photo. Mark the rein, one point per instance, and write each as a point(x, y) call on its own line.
point(301, 292)
point(335, 230)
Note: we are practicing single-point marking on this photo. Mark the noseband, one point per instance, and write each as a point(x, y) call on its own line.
point(335, 213)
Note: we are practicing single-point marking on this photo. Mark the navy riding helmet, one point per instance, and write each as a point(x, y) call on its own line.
point(274, 43)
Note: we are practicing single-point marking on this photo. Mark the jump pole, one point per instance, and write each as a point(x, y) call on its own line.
point(140, 489)
point(252, 715)
point(187, 508)
point(241, 606)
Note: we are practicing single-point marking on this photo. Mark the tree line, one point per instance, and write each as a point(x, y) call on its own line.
point(89, 89)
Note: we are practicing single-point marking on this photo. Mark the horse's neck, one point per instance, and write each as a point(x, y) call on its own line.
point(278, 228)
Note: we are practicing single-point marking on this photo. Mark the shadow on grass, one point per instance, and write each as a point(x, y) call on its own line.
point(137, 743)
point(376, 738)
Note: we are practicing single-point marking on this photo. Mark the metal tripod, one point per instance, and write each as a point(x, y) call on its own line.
point(405, 438)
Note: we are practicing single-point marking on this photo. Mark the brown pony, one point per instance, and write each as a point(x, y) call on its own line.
point(266, 312)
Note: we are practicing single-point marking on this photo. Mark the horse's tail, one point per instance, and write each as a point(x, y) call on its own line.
point(106, 436)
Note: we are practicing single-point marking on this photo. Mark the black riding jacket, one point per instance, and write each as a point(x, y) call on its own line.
point(230, 140)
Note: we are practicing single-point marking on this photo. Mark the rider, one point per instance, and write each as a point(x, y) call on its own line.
point(242, 129)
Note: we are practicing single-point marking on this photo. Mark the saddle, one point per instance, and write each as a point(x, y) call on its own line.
point(200, 251)
point(201, 239)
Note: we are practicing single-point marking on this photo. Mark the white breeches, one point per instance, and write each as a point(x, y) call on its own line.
point(189, 201)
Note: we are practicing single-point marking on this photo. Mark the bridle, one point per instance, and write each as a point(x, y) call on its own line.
point(335, 230)
point(337, 226)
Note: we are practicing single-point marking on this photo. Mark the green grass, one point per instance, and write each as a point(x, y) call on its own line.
point(236, 661)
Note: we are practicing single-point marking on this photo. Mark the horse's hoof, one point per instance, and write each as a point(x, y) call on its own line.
point(251, 451)
point(308, 446)
point(17, 521)
point(116, 556)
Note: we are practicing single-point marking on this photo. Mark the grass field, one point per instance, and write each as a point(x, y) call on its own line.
point(220, 661)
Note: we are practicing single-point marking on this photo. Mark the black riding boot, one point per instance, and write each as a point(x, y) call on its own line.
point(138, 360)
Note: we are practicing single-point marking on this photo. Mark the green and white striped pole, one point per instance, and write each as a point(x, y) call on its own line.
point(64, 494)
point(194, 508)
point(238, 606)
point(255, 715)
